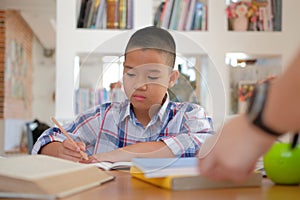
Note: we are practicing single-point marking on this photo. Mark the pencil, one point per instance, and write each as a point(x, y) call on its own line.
point(83, 154)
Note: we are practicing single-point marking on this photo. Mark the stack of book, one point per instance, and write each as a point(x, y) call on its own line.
point(106, 14)
point(181, 174)
point(182, 15)
point(86, 98)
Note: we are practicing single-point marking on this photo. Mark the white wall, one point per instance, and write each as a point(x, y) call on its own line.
point(43, 104)
point(1, 137)
point(13, 133)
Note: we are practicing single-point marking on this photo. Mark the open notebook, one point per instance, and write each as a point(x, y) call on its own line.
point(111, 166)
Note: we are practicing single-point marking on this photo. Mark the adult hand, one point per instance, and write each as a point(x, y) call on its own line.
point(232, 153)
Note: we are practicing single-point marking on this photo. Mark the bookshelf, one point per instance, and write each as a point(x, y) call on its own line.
point(254, 15)
point(216, 42)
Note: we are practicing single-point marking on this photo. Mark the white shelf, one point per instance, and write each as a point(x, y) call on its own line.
point(216, 42)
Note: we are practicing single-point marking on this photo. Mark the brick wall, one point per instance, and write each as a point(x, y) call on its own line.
point(19, 69)
point(2, 61)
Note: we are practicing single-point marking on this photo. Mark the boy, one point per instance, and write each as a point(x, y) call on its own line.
point(147, 124)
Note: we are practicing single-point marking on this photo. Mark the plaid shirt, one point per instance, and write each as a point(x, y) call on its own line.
point(182, 126)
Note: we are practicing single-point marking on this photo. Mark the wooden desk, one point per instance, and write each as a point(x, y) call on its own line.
point(126, 187)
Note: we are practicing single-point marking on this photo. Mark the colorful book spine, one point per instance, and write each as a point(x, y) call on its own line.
point(190, 17)
point(204, 18)
point(122, 14)
point(174, 16)
point(158, 15)
point(94, 13)
point(277, 13)
point(129, 21)
point(167, 13)
point(82, 100)
point(90, 14)
point(87, 12)
point(198, 16)
point(183, 14)
point(81, 15)
point(112, 12)
point(101, 15)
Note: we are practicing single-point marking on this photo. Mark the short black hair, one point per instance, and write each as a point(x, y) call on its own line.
point(153, 37)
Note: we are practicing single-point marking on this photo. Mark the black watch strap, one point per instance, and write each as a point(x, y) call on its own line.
point(259, 101)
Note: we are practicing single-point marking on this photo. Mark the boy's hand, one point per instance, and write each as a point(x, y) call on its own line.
point(100, 157)
point(91, 159)
point(70, 152)
point(65, 150)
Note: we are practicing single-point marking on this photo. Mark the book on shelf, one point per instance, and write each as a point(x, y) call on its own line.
point(158, 14)
point(113, 165)
point(82, 100)
point(181, 174)
point(129, 19)
point(112, 14)
point(198, 15)
point(122, 14)
point(175, 14)
point(35, 176)
point(190, 15)
point(166, 13)
point(93, 14)
point(87, 11)
point(101, 15)
point(86, 98)
point(277, 9)
point(183, 15)
point(81, 15)
point(105, 14)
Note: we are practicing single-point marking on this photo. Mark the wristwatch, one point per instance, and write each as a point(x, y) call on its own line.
point(256, 108)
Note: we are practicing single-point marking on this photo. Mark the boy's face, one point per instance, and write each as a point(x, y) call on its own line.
point(146, 78)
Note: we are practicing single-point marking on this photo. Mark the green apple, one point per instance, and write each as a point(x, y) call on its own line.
point(282, 164)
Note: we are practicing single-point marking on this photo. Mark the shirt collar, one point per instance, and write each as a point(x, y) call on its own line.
point(163, 108)
point(160, 113)
point(126, 109)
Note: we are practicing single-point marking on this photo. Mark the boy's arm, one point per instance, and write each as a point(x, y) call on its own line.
point(65, 150)
point(196, 127)
point(139, 150)
point(53, 142)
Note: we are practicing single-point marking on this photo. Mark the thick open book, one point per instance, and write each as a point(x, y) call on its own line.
point(181, 174)
point(111, 166)
point(34, 175)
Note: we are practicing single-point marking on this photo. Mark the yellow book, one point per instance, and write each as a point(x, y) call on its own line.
point(191, 182)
